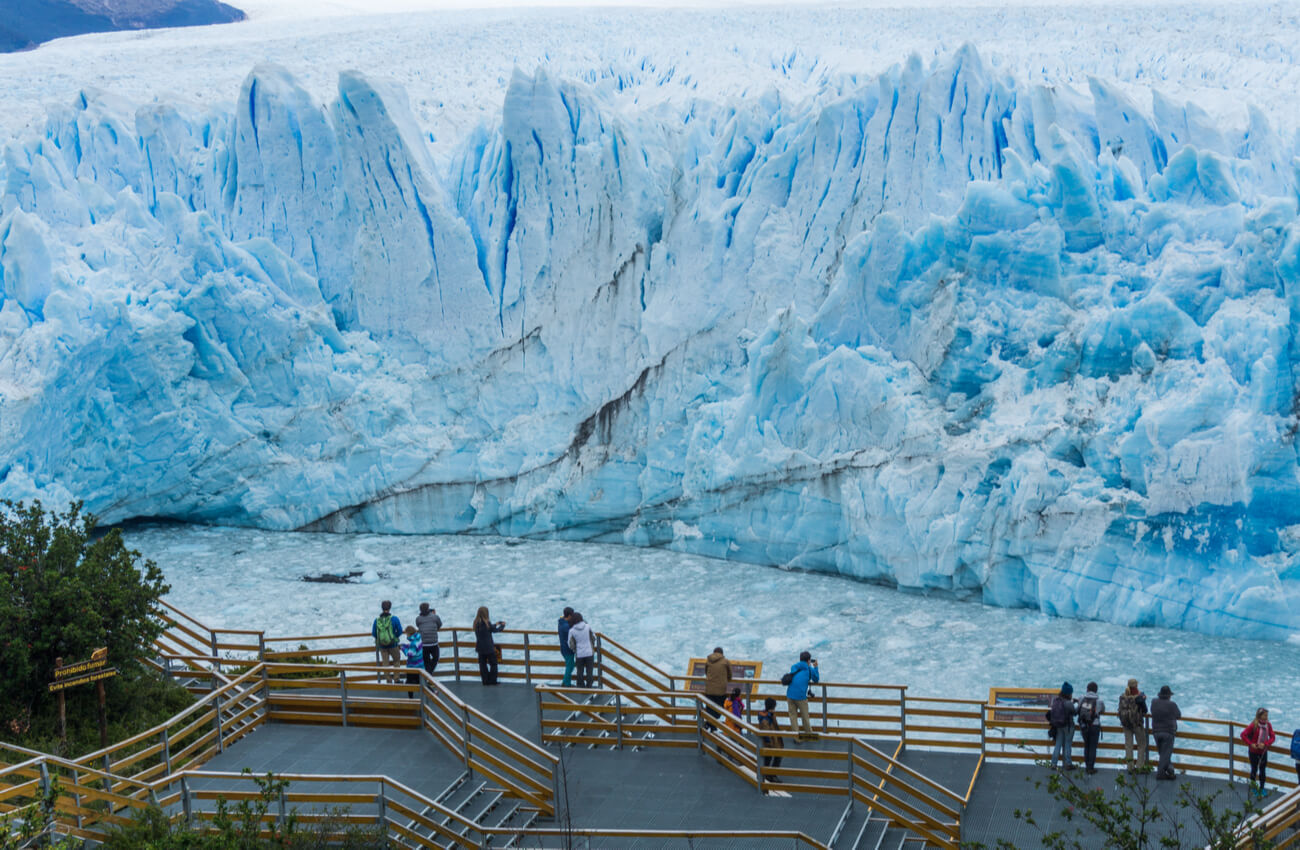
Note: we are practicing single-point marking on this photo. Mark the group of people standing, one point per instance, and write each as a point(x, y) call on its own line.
point(418, 644)
point(577, 647)
point(1065, 714)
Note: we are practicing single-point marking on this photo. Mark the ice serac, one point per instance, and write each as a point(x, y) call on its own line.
point(943, 329)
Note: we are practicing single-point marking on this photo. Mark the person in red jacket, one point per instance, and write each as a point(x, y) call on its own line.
point(1259, 737)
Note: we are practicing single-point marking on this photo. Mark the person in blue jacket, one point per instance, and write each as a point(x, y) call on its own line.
point(562, 629)
point(796, 693)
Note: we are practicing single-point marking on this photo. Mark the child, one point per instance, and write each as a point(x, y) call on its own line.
point(413, 648)
point(736, 705)
point(767, 720)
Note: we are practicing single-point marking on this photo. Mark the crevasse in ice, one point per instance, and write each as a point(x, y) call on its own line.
point(944, 330)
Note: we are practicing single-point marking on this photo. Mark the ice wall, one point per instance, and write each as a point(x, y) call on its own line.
point(943, 330)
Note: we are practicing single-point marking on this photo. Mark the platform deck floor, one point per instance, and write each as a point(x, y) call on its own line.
point(683, 788)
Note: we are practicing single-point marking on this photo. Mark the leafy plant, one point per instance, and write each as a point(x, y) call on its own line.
point(247, 825)
point(1131, 817)
point(64, 593)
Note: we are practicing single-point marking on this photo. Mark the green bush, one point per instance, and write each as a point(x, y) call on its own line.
point(248, 825)
point(63, 593)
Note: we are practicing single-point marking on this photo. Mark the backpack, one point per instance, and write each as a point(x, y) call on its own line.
point(1087, 711)
point(1295, 745)
point(1059, 713)
point(788, 679)
point(1130, 714)
point(384, 632)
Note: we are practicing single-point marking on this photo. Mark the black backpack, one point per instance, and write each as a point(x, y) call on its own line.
point(1059, 712)
point(788, 679)
point(1087, 711)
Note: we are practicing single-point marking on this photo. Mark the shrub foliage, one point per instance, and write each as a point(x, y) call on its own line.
point(63, 593)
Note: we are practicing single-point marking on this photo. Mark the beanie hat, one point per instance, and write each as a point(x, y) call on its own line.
point(1067, 690)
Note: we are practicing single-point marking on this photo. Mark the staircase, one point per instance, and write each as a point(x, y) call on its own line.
point(480, 803)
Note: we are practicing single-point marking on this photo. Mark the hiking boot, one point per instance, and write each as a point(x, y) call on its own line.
point(1090, 771)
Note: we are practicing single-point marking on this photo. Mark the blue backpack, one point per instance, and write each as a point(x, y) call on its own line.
point(1295, 745)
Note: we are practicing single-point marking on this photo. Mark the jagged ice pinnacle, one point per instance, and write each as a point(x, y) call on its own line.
point(942, 330)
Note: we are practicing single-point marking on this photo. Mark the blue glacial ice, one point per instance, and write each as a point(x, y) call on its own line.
point(942, 329)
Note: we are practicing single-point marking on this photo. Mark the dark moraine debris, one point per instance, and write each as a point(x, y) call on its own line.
point(26, 23)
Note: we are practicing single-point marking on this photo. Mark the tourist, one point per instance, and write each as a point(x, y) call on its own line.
point(802, 674)
point(562, 629)
point(387, 632)
point(767, 721)
point(717, 676)
point(1132, 717)
point(1295, 752)
point(582, 644)
point(1091, 708)
point(485, 646)
point(1258, 737)
point(1164, 728)
point(428, 622)
point(1060, 717)
point(414, 650)
point(735, 704)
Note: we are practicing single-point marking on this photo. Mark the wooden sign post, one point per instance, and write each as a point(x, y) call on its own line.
point(83, 673)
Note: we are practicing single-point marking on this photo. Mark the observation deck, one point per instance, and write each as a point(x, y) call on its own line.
point(632, 762)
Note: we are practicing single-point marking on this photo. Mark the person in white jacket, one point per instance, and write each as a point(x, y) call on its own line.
point(584, 650)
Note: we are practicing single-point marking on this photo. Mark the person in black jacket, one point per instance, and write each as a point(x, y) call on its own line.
point(485, 646)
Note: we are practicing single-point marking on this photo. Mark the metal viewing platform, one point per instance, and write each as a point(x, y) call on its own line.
point(632, 762)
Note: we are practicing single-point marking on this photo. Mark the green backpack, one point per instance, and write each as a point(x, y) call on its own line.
point(384, 634)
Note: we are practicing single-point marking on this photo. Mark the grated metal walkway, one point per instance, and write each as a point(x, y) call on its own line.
point(681, 788)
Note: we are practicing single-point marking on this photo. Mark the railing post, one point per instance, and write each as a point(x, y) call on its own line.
point(984, 731)
point(185, 801)
point(216, 663)
point(266, 692)
point(849, 751)
point(600, 662)
point(216, 720)
point(902, 718)
point(825, 725)
point(618, 717)
point(424, 699)
point(283, 808)
point(343, 694)
point(699, 727)
point(758, 762)
point(261, 646)
point(528, 662)
point(1232, 761)
point(108, 768)
point(455, 653)
point(541, 729)
point(45, 781)
point(382, 802)
point(167, 751)
point(464, 717)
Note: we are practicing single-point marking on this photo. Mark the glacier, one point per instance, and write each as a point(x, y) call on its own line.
point(941, 328)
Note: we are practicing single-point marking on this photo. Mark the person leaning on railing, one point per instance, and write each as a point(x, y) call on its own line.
point(562, 627)
point(387, 632)
point(583, 647)
point(1164, 728)
point(428, 622)
point(1132, 714)
point(485, 646)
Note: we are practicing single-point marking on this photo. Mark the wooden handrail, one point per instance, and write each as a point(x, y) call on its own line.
point(925, 780)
